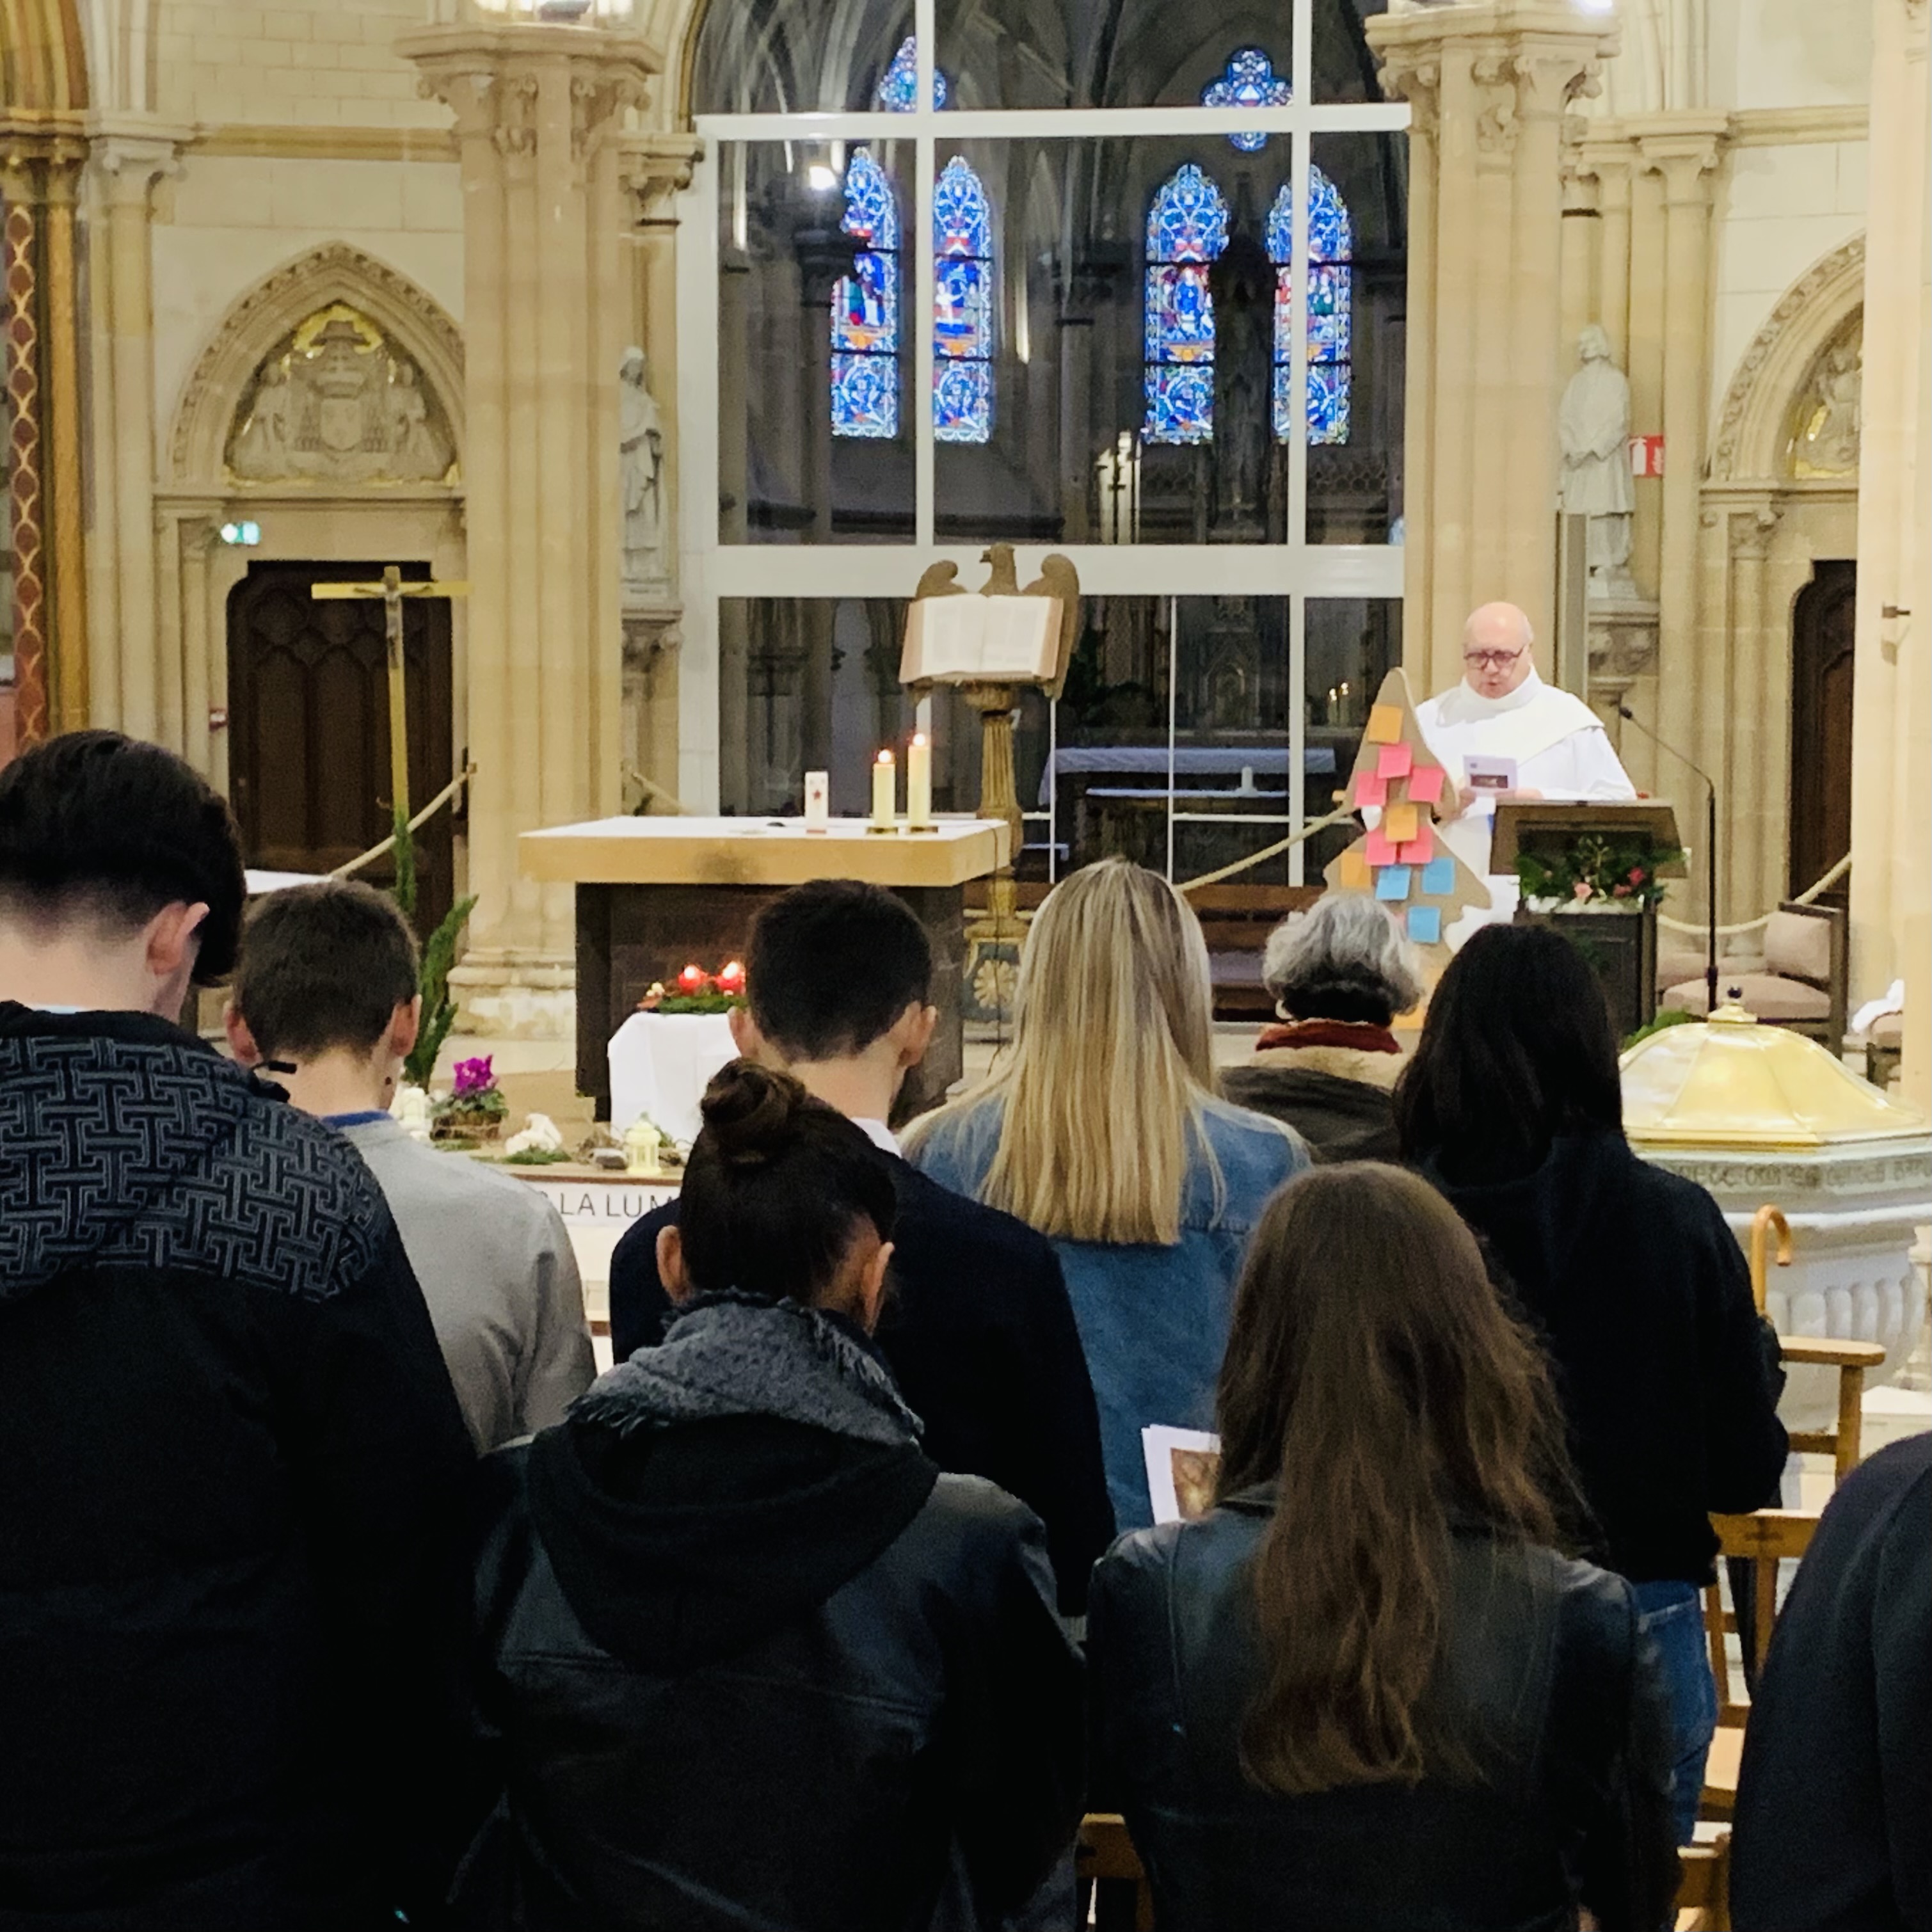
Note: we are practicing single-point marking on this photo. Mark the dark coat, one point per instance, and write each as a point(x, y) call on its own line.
point(1668, 1376)
point(979, 1335)
point(230, 1467)
point(821, 1769)
point(1834, 1829)
point(1545, 1681)
point(1339, 1099)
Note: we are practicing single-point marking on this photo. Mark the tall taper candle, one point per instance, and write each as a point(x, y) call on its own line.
point(918, 782)
point(885, 792)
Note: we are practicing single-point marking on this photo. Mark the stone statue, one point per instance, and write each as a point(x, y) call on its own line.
point(1593, 424)
point(416, 453)
point(1828, 446)
point(640, 446)
point(262, 449)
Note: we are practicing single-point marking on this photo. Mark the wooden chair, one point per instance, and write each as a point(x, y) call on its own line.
point(1105, 1851)
point(1760, 1540)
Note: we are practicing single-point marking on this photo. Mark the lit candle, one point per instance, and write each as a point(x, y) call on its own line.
point(918, 782)
point(885, 792)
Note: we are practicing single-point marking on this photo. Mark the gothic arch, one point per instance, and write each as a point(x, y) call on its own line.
point(1752, 428)
point(43, 56)
point(414, 320)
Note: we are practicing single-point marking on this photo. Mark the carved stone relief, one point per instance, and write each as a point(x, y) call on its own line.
point(1826, 422)
point(333, 402)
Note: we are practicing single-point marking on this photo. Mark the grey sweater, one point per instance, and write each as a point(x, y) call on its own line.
point(497, 1270)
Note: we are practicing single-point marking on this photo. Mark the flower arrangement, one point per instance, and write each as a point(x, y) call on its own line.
point(695, 991)
point(474, 1107)
point(1597, 873)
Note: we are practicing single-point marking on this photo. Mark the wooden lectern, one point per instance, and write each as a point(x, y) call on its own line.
point(1620, 947)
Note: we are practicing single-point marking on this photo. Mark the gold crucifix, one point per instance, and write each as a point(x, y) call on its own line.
point(392, 590)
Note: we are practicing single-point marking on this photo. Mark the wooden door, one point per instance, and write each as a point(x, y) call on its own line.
point(1822, 625)
point(309, 724)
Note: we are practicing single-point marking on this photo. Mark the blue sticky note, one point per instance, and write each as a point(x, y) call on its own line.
point(1425, 924)
point(1392, 882)
point(1438, 877)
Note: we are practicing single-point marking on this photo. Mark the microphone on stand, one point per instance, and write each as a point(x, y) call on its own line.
point(1711, 852)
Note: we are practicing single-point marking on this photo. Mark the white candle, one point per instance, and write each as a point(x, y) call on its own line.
point(919, 781)
point(885, 791)
point(818, 801)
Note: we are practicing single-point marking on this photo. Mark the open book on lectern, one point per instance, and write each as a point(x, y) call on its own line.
point(980, 640)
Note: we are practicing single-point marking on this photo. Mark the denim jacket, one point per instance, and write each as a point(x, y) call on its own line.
point(1154, 1320)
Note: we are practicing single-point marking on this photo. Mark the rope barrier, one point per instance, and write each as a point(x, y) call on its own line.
point(416, 824)
point(1308, 831)
point(1804, 898)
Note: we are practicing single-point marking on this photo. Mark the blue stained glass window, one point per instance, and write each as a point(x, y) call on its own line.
point(962, 318)
point(865, 308)
point(1249, 80)
point(897, 91)
point(1187, 229)
point(1331, 250)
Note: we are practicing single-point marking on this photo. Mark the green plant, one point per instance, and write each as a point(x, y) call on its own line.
point(1670, 1017)
point(1597, 870)
point(439, 1010)
point(537, 1157)
point(695, 1002)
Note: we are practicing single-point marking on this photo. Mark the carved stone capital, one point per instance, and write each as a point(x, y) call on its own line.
point(491, 78)
point(1685, 149)
point(130, 156)
point(652, 168)
point(1752, 530)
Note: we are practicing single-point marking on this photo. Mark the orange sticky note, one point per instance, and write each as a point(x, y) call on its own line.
point(1400, 823)
point(1371, 789)
point(1354, 876)
point(1385, 724)
point(1392, 761)
point(1425, 783)
point(1419, 850)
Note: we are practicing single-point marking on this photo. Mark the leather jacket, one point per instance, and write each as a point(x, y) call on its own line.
point(910, 1750)
point(1544, 1680)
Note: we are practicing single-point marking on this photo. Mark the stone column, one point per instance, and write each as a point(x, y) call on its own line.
point(537, 108)
point(22, 357)
point(1892, 788)
point(196, 533)
point(128, 161)
point(67, 513)
point(1758, 706)
point(1488, 84)
point(1682, 149)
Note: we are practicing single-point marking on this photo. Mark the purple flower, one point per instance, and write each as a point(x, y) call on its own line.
point(474, 1076)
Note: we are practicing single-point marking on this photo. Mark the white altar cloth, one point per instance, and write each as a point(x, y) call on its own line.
point(660, 1064)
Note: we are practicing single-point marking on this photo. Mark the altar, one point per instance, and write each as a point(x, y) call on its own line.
point(654, 895)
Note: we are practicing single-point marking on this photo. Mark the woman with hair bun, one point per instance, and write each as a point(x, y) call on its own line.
point(747, 1656)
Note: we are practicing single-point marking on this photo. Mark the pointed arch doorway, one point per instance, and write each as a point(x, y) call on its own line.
point(1823, 620)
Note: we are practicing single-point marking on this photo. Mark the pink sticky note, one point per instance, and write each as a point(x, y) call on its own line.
point(1419, 850)
point(1380, 851)
point(1371, 788)
point(1425, 784)
point(1393, 761)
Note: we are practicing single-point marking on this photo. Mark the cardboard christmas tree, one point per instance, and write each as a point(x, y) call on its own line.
point(1404, 861)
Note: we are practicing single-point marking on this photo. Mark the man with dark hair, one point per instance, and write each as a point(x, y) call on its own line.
point(326, 995)
point(229, 1450)
point(979, 1332)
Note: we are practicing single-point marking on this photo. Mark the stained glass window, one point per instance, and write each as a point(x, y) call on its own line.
point(898, 86)
point(865, 308)
point(962, 318)
point(1331, 249)
point(1248, 80)
point(1187, 229)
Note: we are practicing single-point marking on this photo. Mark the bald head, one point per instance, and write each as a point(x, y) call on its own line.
point(1496, 644)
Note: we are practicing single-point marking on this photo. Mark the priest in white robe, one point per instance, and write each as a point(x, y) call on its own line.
point(1502, 709)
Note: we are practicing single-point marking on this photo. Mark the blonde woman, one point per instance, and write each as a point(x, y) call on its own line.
point(1103, 1130)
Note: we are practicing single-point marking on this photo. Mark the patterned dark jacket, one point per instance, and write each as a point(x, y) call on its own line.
point(230, 1464)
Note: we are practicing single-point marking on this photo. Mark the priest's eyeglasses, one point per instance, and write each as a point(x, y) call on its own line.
point(1491, 660)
